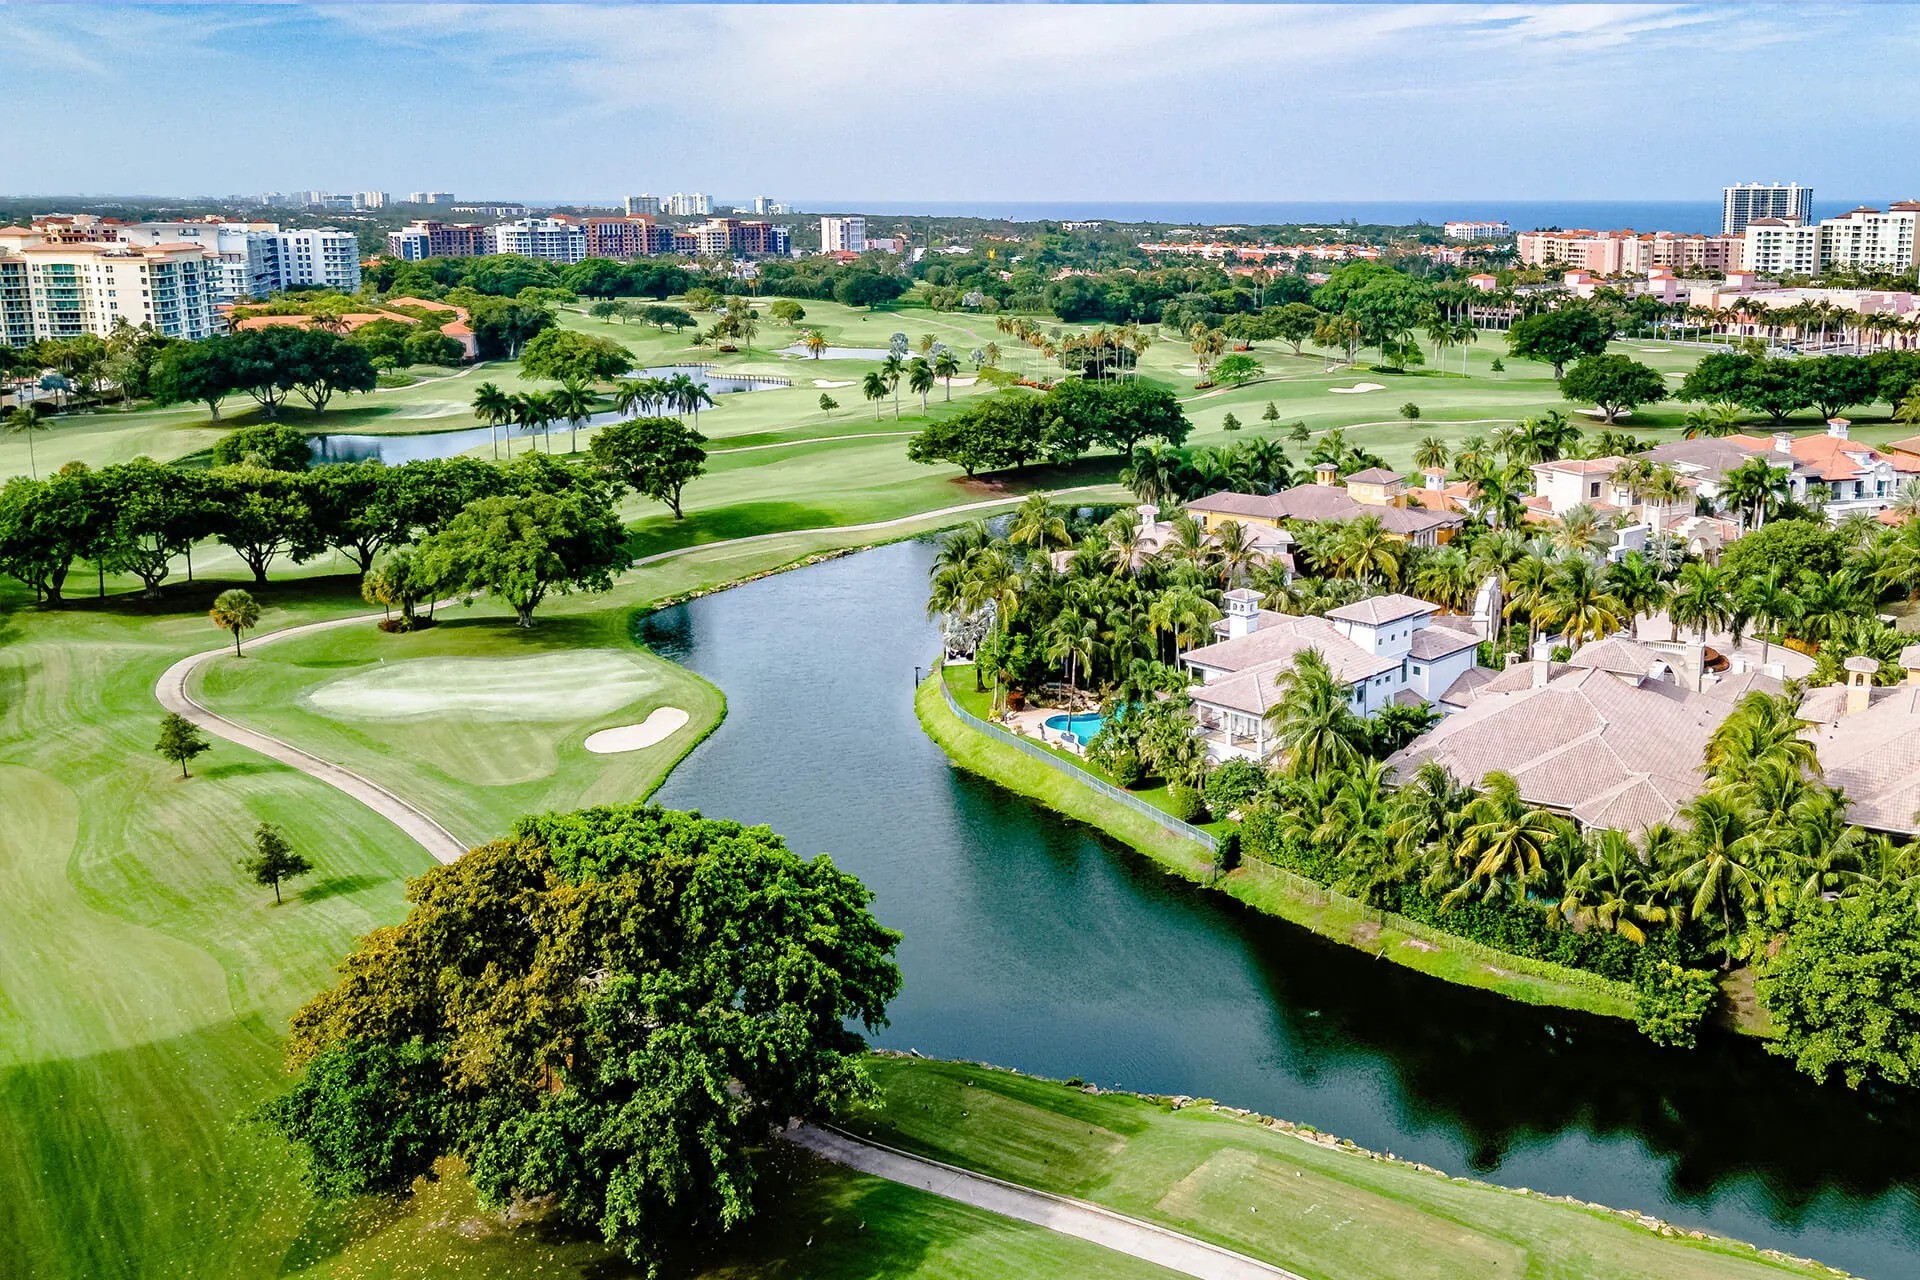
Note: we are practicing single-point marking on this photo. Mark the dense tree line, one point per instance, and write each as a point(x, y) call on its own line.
point(1778, 387)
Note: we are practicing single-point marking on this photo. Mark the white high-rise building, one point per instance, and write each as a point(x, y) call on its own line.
point(641, 204)
point(843, 234)
point(430, 197)
point(1750, 201)
point(1870, 239)
point(689, 204)
point(323, 256)
point(369, 199)
point(245, 260)
point(550, 238)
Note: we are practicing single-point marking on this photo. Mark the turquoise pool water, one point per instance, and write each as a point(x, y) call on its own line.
point(1082, 726)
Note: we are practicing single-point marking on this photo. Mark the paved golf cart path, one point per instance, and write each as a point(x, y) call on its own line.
point(1143, 1240)
point(173, 695)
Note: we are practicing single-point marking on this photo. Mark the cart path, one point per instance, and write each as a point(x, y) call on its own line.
point(1146, 1241)
point(173, 695)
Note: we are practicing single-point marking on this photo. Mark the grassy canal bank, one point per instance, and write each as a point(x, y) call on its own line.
point(1270, 889)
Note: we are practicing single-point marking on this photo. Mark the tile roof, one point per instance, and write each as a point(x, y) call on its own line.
point(1322, 502)
point(1608, 752)
point(1374, 475)
point(1275, 642)
point(1375, 610)
point(1438, 641)
point(1872, 755)
point(1621, 656)
point(1464, 690)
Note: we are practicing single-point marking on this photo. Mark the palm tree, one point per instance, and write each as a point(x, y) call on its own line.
point(946, 366)
point(1754, 488)
point(1637, 585)
point(526, 408)
point(235, 611)
point(492, 406)
point(1578, 603)
point(1719, 419)
point(25, 422)
point(574, 402)
point(1764, 730)
point(890, 370)
point(1364, 550)
point(874, 387)
point(1769, 599)
point(815, 342)
point(1154, 473)
point(1234, 551)
point(1314, 727)
point(1445, 577)
point(1071, 639)
point(1503, 840)
point(920, 378)
point(1430, 454)
point(1039, 524)
point(1720, 873)
point(1125, 535)
point(1577, 531)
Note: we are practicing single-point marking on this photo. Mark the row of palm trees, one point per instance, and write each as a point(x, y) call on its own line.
point(1763, 834)
point(574, 402)
point(920, 373)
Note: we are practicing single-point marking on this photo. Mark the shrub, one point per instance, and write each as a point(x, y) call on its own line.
point(1230, 423)
point(1234, 785)
point(1229, 852)
point(1125, 768)
point(1184, 802)
point(1498, 366)
point(1670, 1002)
point(1410, 411)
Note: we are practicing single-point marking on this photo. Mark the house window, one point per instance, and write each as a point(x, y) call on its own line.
point(1416, 669)
point(1593, 490)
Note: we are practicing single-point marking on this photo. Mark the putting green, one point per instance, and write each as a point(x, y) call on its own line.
point(546, 687)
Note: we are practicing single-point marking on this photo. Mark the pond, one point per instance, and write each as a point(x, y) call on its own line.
point(412, 447)
point(837, 353)
point(1033, 942)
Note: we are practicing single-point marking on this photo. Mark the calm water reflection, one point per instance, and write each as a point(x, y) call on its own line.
point(1036, 943)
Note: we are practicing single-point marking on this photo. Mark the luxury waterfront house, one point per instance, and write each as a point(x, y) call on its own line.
point(1375, 492)
point(1384, 649)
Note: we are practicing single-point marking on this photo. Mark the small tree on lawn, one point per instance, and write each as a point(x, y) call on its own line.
point(236, 611)
point(180, 740)
point(827, 403)
point(1270, 413)
point(1230, 423)
point(273, 859)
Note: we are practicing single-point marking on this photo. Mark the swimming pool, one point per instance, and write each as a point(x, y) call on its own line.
point(1083, 726)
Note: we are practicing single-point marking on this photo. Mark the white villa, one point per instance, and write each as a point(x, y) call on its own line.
point(1385, 649)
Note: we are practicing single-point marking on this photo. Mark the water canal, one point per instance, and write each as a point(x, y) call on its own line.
point(1035, 943)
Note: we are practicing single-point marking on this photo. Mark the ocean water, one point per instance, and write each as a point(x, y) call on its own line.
point(1641, 215)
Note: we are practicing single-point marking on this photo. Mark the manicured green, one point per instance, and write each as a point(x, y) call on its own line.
point(1305, 1202)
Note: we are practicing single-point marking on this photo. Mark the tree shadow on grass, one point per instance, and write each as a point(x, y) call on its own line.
point(340, 886)
point(236, 769)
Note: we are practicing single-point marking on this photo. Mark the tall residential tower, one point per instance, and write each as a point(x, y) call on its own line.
point(1739, 205)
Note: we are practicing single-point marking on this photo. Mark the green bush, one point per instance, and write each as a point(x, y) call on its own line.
point(1125, 768)
point(1185, 803)
point(1410, 411)
point(1234, 785)
point(1228, 856)
point(1670, 1002)
point(1498, 366)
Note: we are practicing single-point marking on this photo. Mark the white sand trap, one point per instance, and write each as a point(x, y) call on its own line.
point(1601, 413)
point(551, 687)
point(1651, 350)
point(829, 382)
point(658, 727)
point(966, 381)
point(1357, 388)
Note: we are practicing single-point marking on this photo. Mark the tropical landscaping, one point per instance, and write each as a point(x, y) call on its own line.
point(507, 595)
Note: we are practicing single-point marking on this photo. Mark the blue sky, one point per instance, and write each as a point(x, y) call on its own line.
point(1004, 102)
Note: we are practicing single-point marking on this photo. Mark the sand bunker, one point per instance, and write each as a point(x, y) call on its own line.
point(1356, 388)
point(552, 687)
point(1601, 413)
point(1651, 350)
point(829, 382)
point(658, 727)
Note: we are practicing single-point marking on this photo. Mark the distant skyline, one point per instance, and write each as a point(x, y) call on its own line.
point(941, 106)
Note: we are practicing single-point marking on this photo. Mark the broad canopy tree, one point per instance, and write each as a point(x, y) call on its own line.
point(1613, 383)
point(520, 547)
point(1559, 337)
point(610, 1009)
point(654, 457)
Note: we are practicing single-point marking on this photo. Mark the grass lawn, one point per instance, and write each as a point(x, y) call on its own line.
point(1260, 886)
point(1323, 1212)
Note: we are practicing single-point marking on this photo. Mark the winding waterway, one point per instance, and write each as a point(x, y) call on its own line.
point(1033, 942)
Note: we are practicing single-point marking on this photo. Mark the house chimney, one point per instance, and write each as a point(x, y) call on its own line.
point(1837, 428)
point(1436, 479)
point(1783, 442)
point(1860, 673)
point(1243, 612)
point(1325, 473)
point(1542, 661)
point(1693, 665)
point(1910, 663)
point(1149, 515)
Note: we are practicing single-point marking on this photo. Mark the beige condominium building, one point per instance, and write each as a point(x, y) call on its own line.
point(64, 290)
